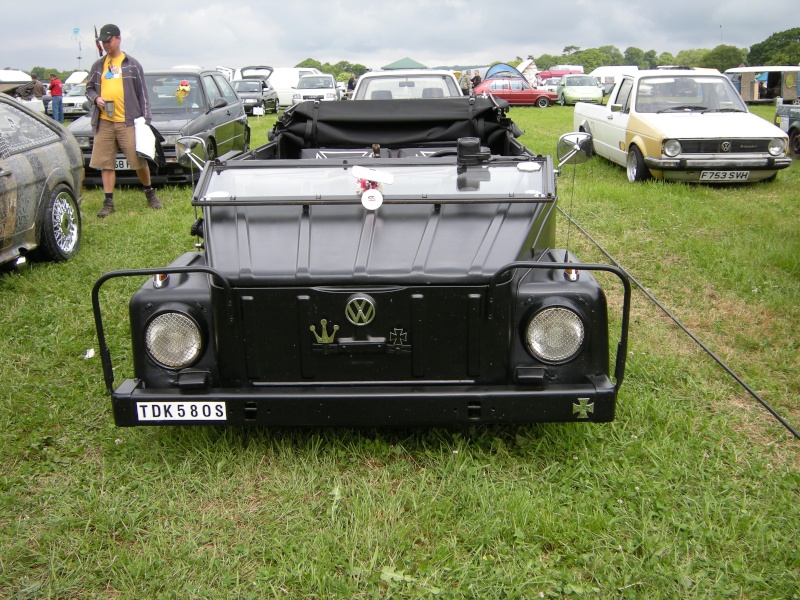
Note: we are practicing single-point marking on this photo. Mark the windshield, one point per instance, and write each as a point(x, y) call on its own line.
point(390, 87)
point(247, 86)
point(174, 92)
point(581, 81)
point(78, 90)
point(309, 83)
point(684, 93)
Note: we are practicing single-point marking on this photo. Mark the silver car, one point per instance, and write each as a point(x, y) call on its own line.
point(315, 87)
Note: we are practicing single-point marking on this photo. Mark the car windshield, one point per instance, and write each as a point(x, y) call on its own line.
point(247, 86)
point(174, 92)
point(388, 87)
point(685, 93)
point(78, 90)
point(581, 81)
point(309, 83)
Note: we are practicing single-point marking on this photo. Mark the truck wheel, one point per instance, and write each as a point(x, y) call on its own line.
point(637, 170)
point(543, 102)
point(794, 143)
point(60, 230)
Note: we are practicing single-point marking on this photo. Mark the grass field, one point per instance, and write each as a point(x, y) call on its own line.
point(693, 492)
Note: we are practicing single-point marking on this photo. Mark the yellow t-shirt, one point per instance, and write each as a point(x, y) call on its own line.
point(111, 87)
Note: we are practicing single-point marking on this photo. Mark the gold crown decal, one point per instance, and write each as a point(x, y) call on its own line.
point(324, 338)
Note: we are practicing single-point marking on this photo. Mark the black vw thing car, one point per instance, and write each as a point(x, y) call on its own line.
point(376, 263)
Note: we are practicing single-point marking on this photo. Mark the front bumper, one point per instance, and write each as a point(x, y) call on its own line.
point(726, 163)
point(369, 406)
point(172, 173)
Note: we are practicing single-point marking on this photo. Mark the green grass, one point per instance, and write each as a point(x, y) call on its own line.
point(692, 492)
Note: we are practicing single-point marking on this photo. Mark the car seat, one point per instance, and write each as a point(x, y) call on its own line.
point(381, 95)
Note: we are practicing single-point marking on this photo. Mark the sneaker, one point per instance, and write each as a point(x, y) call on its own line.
point(108, 208)
point(152, 200)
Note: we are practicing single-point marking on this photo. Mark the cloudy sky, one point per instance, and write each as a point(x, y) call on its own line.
point(235, 33)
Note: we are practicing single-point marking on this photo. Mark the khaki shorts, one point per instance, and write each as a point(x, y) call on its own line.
point(111, 138)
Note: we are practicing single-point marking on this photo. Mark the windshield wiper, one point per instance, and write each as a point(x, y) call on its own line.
point(724, 110)
point(683, 107)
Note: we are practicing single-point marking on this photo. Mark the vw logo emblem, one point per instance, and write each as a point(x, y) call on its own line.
point(726, 147)
point(360, 310)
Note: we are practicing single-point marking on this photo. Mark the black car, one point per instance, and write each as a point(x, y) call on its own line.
point(182, 102)
point(380, 262)
point(256, 93)
point(41, 181)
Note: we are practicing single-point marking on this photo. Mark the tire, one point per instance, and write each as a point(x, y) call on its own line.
point(276, 106)
point(637, 170)
point(794, 143)
point(543, 102)
point(211, 151)
point(561, 101)
point(591, 150)
point(60, 229)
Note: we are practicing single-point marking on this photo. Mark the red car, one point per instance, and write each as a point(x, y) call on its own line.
point(516, 91)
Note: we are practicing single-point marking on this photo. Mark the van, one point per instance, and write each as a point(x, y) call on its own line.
point(284, 80)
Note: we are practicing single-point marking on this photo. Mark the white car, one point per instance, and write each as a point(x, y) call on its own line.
point(315, 87)
point(284, 81)
point(74, 101)
point(407, 84)
point(550, 84)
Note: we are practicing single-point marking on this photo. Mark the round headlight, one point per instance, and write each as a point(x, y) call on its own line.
point(173, 340)
point(777, 146)
point(672, 148)
point(555, 334)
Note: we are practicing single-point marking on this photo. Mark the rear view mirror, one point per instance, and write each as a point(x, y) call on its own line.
point(191, 151)
point(574, 148)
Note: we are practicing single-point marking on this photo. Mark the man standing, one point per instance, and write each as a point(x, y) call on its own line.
point(116, 88)
point(56, 93)
point(465, 82)
point(38, 88)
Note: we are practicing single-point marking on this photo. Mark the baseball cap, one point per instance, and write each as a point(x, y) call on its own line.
point(107, 32)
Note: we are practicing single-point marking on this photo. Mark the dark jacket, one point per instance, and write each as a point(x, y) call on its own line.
point(137, 102)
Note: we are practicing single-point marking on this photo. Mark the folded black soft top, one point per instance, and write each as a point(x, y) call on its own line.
point(396, 123)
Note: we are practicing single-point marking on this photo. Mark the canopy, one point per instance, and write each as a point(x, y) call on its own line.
point(502, 70)
point(404, 63)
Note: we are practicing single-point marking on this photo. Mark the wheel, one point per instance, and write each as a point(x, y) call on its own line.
point(637, 170)
point(211, 151)
point(60, 230)
point(794, 143)
point(543, 102)
point(561, 101)
point(276, 106)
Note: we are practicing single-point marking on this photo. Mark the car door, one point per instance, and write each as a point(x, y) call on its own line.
point(523, 94)
point(23, 153)
point(500, 89)
point(223, 116)
point(239, 141)
point(609, 132)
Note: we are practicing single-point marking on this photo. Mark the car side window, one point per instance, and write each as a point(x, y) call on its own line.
point(499, 85)
point(624, 94)
point(517, 86)
point(211, 89)
point(20, 132)
point(227, 90)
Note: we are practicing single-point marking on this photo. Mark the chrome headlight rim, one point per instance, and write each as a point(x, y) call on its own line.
point(777, 147)
point(167, 327)
point(542, 331)
point(672, 148)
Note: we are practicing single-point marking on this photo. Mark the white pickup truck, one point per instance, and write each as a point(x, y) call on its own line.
point(683, 125)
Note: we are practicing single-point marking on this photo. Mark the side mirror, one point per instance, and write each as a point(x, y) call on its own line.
point(192, 151)
point(218, 103)
point(574, 148)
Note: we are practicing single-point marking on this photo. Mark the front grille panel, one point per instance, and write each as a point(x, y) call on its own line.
point(716, 146)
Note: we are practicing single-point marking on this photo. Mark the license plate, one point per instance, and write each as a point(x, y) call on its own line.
point(121, 164)
point(724, 175)
point(181, 411)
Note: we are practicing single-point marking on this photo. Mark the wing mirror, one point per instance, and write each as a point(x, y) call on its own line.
point(218, 103)
point(574, 148)
point(192, 151)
